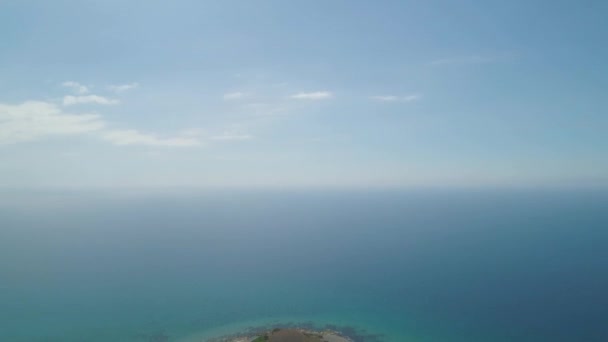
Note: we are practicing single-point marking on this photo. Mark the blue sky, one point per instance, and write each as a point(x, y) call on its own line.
point(315, 93)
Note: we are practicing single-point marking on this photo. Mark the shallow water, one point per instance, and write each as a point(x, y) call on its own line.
point(424, 265)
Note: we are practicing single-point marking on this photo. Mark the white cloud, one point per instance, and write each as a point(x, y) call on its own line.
point(33, 120)
point(317, 95)
point(124, 87)
point(76, 87)
point(134, 137)
point(119, 88)
point(235, 96)
point(393, 98)
point(412, 97)
point(84, 99)
point(385, 98)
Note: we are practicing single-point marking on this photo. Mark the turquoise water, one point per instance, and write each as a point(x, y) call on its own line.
point(457, 265)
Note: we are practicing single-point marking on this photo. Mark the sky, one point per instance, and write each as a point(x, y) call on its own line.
point(269, 93)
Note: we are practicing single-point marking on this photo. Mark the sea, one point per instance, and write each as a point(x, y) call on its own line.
point(522, 264)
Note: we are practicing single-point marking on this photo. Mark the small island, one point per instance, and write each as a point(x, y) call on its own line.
point(299, 332)
point(293, 335)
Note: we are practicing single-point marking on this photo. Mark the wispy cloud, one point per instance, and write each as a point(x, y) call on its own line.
point(33, 120)
point(262, 109)
point(469, 59)
point(134, 137)
point(235, 96)
point(394, 98)
point(119, 88)
point(316, 95)
point(76, 87)
point(88, 99)
point(231, 137)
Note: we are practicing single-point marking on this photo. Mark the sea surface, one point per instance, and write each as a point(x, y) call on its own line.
point(411, 265)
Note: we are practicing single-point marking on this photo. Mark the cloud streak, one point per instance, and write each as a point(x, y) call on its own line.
point(120, 88)
point(71, 100)
point(314, 96)
point(394, 98)
point(231, 137)
point(470, 59)
point(235, 96)
point(76, 87)
point(134, 137)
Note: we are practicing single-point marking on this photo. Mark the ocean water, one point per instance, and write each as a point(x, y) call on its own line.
point(417, 265)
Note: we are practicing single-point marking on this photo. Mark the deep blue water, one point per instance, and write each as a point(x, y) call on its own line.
point(420, 265)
